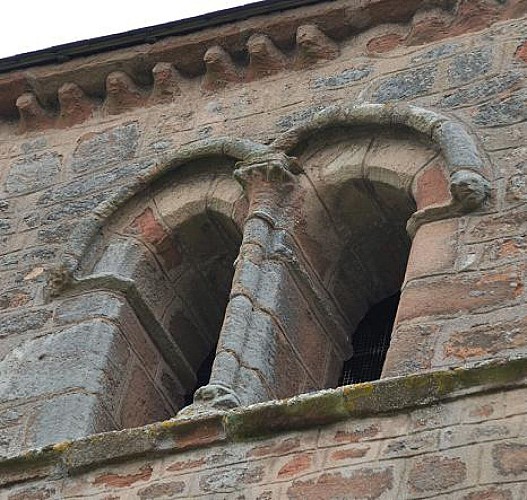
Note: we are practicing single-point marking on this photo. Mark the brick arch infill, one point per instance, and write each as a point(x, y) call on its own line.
point(467, 166)
point(87, 230)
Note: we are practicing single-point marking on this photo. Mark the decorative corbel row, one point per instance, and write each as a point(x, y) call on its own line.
point(121, 92)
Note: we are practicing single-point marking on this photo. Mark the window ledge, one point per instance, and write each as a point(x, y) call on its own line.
point(390, 395)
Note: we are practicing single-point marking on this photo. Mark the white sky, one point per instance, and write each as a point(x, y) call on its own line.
point(38, 24)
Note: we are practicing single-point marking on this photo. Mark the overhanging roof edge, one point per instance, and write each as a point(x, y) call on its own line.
point(150, 34)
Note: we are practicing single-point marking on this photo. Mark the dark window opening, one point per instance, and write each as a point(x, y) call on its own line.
point(370, 343)
point(202, 375)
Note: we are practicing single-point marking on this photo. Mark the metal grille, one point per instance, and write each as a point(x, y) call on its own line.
point(370, 343)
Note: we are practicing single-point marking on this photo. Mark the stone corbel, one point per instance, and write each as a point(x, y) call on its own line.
point(469, 190)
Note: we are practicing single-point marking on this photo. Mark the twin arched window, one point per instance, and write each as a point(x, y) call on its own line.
point(285, 286)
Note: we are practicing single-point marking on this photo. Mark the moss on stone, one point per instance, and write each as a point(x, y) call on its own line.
point(265, 419)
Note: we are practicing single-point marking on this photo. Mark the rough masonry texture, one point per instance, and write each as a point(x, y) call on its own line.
point(193, 229)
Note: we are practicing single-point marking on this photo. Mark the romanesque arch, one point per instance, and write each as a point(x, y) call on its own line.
point(324, 238)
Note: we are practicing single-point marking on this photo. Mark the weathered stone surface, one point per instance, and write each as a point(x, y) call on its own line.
point(504, 111)
point(74, 358)
point(265, 58)
point(166, 83)
point(346, 77)
point(288, 121)
point(142, 403)
point(470, 65)
point(23, 321)
point(67, 417)
point(459, 293)
point(405, 85)
point(490, 87)
point(436, 473)
point(75, 106)
point(32, 115)
point(385, 43)
point(161, 490)
point(114, 145)
point(438, 52)
point(454, 433)
point(361, 483)
point(433, 250)
point(313, 45)
point(510, 458)
point(33, 173)
point(220, 69)
point(428, 24)
point(122, 94)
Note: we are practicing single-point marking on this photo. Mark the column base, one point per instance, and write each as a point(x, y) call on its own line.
point(211, 397)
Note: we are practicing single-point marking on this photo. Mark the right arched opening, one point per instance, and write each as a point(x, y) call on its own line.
point(367, 279)
point(356, 234)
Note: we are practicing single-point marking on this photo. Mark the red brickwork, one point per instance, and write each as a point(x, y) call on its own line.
point(465, 449)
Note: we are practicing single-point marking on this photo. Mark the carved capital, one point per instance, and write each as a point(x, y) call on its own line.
point(268, 168)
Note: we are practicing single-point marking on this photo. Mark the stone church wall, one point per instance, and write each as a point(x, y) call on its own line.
point(122, 228)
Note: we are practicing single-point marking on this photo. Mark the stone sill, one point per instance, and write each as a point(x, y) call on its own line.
point(390, 395)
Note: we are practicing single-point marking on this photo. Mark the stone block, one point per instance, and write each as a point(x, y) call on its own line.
point(260, 353)
point(509, 459)
point(412, 444)
point(384, 43)
point(449, 295)
point(99, 150)
point(481, 432)
point(295, 465)
point(434, 250)
point(114, 308)
point(412, 349)
point(502, 111)
point(490, 87)
point(342, 79)
point(470, 65)
point(142, 402)
point(499, 334)
point(405, 85)
point(33, 173)
point(230, 480)
point(36, 492)
point(24, 321)
point(431, 187)
point(400, 156)
point(354, 482)
point(128, 260)
point(90, 356)
point(67, 417)
point(163, 489)
point(492, 226)
point(436, 473)
point(182, 201)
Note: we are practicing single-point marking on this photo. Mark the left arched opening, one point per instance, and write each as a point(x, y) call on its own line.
point(167, 257)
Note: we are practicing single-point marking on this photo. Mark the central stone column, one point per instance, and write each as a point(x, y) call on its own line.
point(279, 328)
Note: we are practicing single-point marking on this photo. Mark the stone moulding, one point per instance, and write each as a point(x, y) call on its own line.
point(467, 167)
point(391, 395)
point(86, 231)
